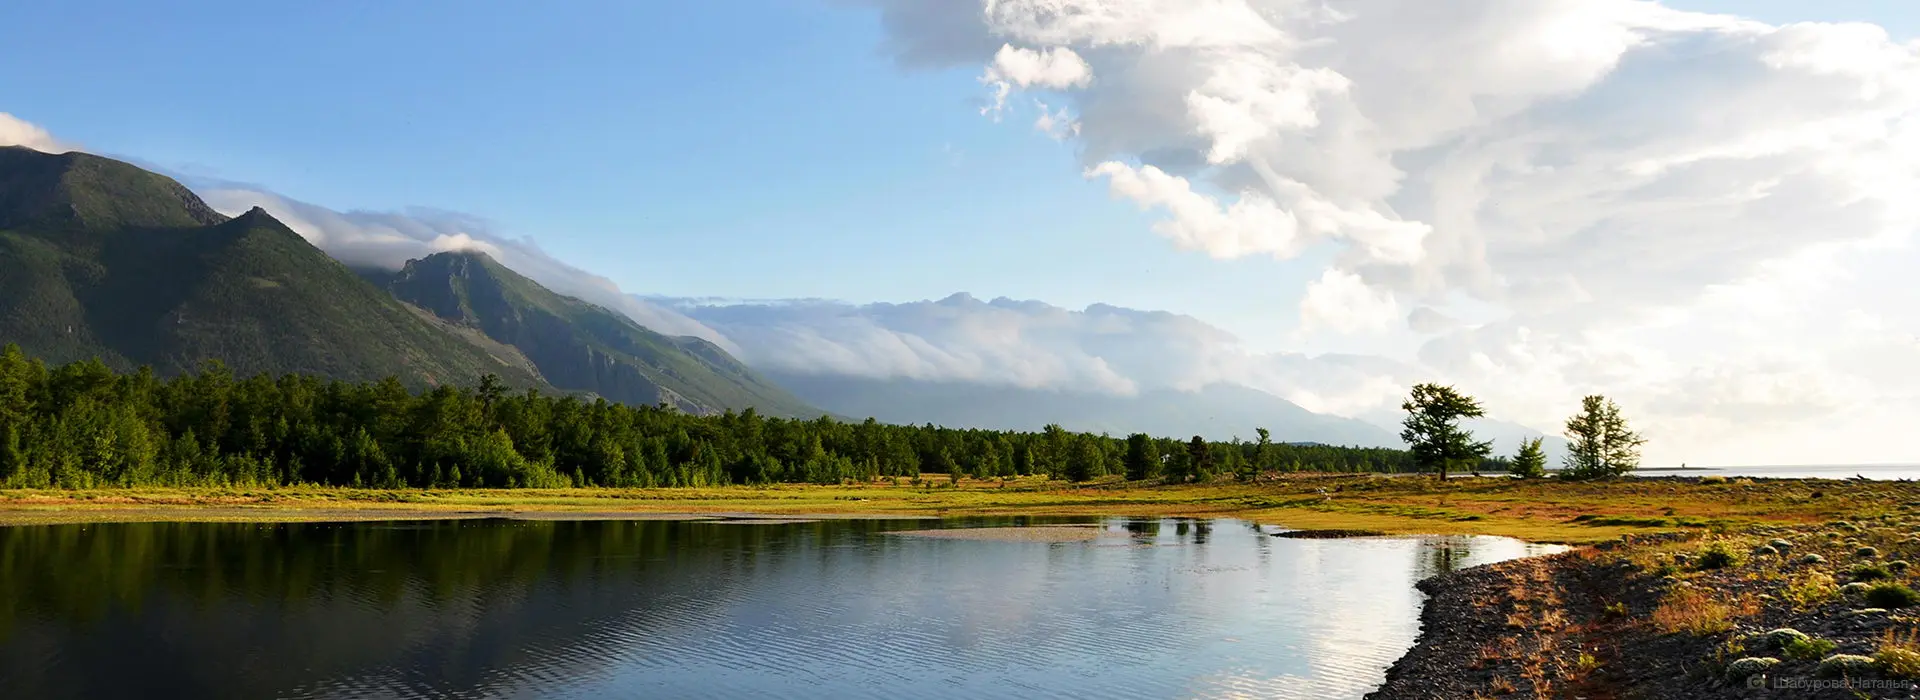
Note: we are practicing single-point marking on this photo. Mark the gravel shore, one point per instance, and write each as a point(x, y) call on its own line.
point(1581, 625)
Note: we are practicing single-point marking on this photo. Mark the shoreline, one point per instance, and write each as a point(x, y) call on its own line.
point(1681, 615)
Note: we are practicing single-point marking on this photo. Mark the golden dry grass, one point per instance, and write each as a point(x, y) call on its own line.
point(1541, 511)
point(1700, 613)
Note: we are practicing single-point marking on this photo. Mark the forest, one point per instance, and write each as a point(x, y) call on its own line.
point(84, 425)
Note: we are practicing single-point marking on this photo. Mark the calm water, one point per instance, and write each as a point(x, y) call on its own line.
point(835, 609)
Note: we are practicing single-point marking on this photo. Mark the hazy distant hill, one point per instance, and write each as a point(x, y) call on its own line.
point(1220, 411)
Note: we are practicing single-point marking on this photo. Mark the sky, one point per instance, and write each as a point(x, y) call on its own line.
point(1535, 199)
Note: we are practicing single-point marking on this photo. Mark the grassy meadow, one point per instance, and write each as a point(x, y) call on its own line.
point(1536, 510)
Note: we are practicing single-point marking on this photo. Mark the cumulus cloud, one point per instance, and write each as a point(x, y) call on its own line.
point(15, 131)
point(1055, 68)
point(1341, 301)
point(1496, 146)
point(1572, 196)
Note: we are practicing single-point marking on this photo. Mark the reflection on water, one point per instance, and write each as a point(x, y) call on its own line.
point(524, 609)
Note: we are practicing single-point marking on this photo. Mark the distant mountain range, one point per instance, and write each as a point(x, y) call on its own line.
point(1220, 411)
point(99, 258)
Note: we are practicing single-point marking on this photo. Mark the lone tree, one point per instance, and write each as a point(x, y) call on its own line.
point(1432, 429)
point(1531, 461)
point(1602, 444)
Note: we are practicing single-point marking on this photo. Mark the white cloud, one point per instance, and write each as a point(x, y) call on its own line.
point(1673, 208)
point(1057, 124)
point(1342, 301)
point(1054, 68)
point(15, 131)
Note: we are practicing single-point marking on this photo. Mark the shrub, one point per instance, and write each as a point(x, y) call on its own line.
point(1898, 663)
point(1616, 609)
point(1888, 594)
point(1866, 552)
point(1869, 572)
point(1586, 662)
point(1742, 669)
point(1843, 665)
point(1899, 654)
point(1716, 556)
point(1807, 649)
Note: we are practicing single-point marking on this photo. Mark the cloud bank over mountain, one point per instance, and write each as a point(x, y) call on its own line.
point(15, 131)
point(1034, 345)
point(388, 239)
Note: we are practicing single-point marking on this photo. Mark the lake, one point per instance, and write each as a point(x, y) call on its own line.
point(630, 609)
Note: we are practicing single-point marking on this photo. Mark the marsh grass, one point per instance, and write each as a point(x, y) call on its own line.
point(1537, 510)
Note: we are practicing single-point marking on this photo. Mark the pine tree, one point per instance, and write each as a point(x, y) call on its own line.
point(1432, 429)
point(1601, 443)
point(1199, 459)
point(1141, 458)
point(1531, 461)
point(1084, 460)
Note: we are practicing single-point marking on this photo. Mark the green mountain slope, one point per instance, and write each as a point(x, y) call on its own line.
point(579, 346)
point(99, 258)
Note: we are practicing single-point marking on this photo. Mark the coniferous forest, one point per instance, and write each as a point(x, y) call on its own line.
point(83, 425)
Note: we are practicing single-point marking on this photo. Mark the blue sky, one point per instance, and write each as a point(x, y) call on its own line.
point(748, 148)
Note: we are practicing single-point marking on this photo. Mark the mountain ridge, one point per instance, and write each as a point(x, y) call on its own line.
point(103, 259)
point(581, 346)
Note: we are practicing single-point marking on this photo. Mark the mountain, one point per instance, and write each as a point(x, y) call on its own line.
point(99, 258)
point(581, 347)
point(1217, 411)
